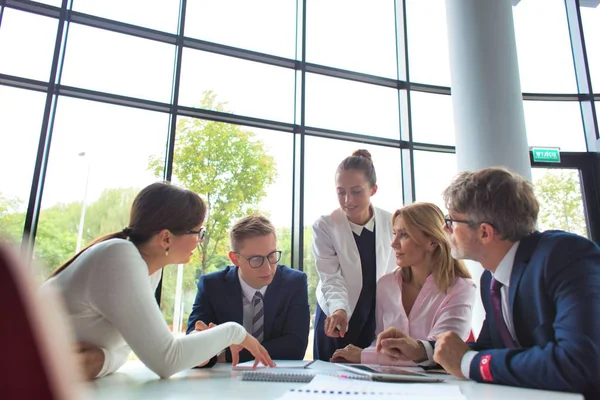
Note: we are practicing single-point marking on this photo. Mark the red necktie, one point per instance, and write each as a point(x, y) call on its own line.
point(497, 308)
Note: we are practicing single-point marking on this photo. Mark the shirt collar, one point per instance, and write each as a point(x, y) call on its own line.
point(505, 267)
point(248, 291)
point(370, 225)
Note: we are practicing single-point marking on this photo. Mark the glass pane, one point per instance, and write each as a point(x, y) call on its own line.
point(219, 160)
point(554, 124)
point(116, 63)
point(320, 196)
point(21, 113)
point(56, 3)
point(332, 37)
point(244, 87)
point(590, 19)
point(427, 38)
point(155, 14)
point(267, 26)
point(432, 118)
point(433, 173)
point(94, 173)
point(544, 47)
point(357, 107)
point(561, 203)
point(27, 44)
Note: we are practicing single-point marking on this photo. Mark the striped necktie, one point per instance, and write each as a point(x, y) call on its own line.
point(258, 321)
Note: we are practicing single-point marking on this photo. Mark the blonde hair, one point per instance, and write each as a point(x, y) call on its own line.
point(248, 227)
point(429, 219)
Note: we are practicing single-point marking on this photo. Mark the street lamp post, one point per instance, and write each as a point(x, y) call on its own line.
point(83, 204)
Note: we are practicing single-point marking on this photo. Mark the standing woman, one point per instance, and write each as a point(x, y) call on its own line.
point(108, 289)
point(351, 249)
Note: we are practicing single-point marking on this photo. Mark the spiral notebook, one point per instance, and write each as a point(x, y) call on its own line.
point(291, 375)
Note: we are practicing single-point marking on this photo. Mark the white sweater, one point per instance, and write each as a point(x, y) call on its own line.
point(110, 301)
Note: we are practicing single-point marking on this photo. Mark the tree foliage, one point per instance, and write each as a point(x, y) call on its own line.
point(561, 206)
point(228, 166)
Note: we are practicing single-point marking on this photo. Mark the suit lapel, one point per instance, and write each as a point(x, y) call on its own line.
point(234, 296)
point(526, 248)
point(272, 297)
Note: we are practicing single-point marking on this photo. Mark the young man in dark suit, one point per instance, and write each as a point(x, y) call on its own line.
point(269, 300)
point(540, 291)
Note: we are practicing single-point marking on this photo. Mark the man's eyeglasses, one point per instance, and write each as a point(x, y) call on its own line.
point(201, 233)
point(450, 221)
point(258, 261)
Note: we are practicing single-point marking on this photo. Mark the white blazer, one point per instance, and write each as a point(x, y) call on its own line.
point(338, 262)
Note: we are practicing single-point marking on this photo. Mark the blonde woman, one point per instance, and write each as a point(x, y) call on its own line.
point(429, 293)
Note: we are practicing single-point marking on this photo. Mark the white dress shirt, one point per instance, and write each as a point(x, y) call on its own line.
point(247, 296)
point(502, 275)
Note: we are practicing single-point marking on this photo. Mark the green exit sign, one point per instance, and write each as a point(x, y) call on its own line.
point(549, 155)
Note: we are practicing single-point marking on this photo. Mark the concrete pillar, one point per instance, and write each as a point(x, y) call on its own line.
point(486, 91)
point(487, 100)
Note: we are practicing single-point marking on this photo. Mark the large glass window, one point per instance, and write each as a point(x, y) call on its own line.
point(342, 33)
point(427, 38)
point(24, 51)
point(433, 173)
point(21, 113)
point(544, 47)
point(554, 124)
point(99, 160)
point(432, 118)
point(345, 105)
point(155, 14)
point(590, 18)
point(110, 62)
point(238, 170)
point(267, 26)
point(247, 88)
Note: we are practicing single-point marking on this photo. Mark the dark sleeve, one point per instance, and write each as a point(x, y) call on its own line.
point(202, 311)
point(570, 360)
point(291, 345)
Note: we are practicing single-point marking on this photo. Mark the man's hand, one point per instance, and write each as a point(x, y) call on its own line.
point(449, 351)
point(90, 359)
point(336, 324)
point(200, 326)
point(350, 354)
point(396, 344)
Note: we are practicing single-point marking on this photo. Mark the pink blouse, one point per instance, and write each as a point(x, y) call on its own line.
point(433, 312)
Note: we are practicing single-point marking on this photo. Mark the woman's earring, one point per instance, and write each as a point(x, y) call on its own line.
point(167, 252)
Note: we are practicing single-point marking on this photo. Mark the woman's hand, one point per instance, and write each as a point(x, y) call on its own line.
point(261, 355)
point(350, 353)
point(90, 359)
point(336, 324)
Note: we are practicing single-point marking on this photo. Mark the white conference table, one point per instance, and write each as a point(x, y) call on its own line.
point(136, 381)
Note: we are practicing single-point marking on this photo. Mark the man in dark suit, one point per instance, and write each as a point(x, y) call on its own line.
point(269, 300)
point(540, 291)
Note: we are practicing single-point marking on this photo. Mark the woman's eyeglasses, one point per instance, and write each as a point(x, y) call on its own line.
point(258, 261)
point(201, 233)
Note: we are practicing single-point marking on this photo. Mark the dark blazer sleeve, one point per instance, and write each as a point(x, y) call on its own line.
point(570, 358)
point(202, 310)
point(291, 345)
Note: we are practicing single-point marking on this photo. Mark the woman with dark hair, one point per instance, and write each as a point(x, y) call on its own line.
point(109, 286)
point(351, 249)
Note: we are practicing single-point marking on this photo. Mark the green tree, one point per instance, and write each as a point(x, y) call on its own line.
point(561, 205)
point(228, 166)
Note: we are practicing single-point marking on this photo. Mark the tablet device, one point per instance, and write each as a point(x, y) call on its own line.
point(385, 373)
